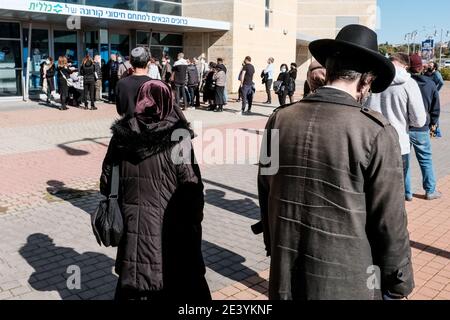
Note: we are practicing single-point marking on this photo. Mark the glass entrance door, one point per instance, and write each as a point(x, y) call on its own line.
point(10, 60)
point(40, 51)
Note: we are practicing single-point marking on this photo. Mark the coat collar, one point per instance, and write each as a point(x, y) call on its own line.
point(334, 96)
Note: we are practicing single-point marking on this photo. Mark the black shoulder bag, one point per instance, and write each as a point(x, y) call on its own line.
point(107, 221)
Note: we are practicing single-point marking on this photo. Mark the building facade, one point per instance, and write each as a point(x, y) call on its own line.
point(32, 30)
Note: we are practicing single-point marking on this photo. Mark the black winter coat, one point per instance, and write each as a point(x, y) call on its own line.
point(88, 72)
point(334, 213)
point(285, 77)
point(162, 206)
point(51, 72)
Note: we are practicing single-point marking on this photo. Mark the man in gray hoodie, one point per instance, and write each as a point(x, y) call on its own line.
point(402, 105)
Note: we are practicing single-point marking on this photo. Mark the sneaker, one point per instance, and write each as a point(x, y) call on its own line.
point(408, 198)
point(433, 196)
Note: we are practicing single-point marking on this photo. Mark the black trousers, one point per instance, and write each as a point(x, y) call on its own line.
point(89, 89)
point(63, 92)
point(112, 89)
point(269, 90)
point(282, 97)
point(180, 92)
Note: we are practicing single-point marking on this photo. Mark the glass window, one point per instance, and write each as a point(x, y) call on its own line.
point(10, 56)
point(91, 42)
point(39, 53)
point(66, 45)
point(120, 44)
point(116, 4)
point(10, 70)
point(142, 38)
point(167, 39)
point(9, 30)
point(10, 82)
point(154, 6)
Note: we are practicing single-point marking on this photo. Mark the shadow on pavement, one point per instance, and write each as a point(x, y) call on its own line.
point(244, 207)
point(231, 265)
point(48, 105)
point(430, 249)
point(58, 191)
point(54, 270)
point(72, 151)
point(232, 189)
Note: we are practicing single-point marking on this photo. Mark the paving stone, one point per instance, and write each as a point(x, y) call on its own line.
point(233, 254)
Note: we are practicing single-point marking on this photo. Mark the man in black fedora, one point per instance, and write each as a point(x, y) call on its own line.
point(333, 215)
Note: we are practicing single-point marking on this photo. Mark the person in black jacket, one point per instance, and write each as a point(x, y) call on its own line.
point(193, 84)
point(112, 73)
point(63, 77)
point(48, 75)
point(292, 85)
point(209, 89)
point(179, 77)
point(88, 72)
point(331, 188)
point(161, 200)
point(420, 137)
point(283, 80)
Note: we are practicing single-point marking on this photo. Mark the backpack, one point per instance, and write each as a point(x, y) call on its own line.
point(129, 72)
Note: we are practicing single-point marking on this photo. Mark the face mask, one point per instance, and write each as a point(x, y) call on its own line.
point(47, 61)
point(119, 60)
point(283, 70)
point(164, 63)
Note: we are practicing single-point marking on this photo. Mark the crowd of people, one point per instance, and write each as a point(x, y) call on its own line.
point(332, 212)
point(193, 80)
point(412, 105)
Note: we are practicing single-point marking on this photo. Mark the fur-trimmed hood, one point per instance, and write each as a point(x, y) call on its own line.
point(137, 138)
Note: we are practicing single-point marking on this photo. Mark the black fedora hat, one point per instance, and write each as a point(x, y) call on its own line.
point(360, 44)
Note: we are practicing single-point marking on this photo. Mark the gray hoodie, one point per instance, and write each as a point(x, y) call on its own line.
point(402, 105)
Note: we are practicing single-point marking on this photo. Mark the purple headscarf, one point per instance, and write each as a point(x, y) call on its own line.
point(155, 100)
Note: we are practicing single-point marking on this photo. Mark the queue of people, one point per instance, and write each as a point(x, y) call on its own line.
point(193, 80)
point(332, 212)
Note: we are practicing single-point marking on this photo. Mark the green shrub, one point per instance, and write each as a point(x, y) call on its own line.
point(446, 73)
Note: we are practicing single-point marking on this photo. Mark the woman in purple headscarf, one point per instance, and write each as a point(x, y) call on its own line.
point(161, 200)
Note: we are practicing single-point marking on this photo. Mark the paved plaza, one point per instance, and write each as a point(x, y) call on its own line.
point(50, 163)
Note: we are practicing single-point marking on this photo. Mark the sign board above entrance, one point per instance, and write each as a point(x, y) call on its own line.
point(69, 9)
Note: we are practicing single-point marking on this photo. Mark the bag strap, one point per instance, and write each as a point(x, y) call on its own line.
point(115, 182)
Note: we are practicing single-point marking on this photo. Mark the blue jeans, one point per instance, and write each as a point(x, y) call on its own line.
point(247, 97)
point(421, 142)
